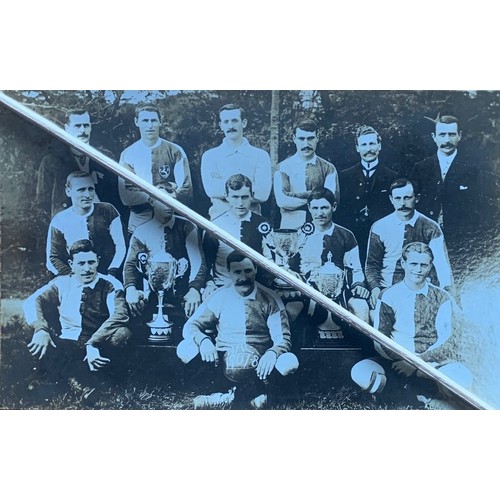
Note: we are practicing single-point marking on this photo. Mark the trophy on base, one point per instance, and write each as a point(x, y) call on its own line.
point(330, 282)
point(286, 243)
point(161, 270)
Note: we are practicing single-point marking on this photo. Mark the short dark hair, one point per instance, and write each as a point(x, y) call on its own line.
point(416, 246)
point(81, 246)
point(322, 192)
point(231, 107)
point(365, 130)
point(78, 174)
point(307, 125)
point(447, 119)
point(238, 181)
point(74, 111)
point(236, 256)
point(401, 183)
point(147, 106)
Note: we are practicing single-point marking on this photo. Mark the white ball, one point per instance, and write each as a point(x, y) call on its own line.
point(369, 375)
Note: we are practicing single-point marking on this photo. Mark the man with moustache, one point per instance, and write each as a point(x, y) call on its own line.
point(85, 219)
point(56, 166)
point(390, 234)
point(235, 156)
point(252, 343)
point(155, 160)
point(365, 188)
point(449, 194)
point(420, 317)
point(299, 174)
point(81, 325)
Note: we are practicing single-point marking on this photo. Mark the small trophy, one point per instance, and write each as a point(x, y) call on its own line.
point(161, 270)
point(330, 282)
point(286, 243)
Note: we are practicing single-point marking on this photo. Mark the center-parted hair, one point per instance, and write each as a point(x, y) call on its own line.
point(322, 192)
point(416, 246)
point(238, 181)
point(147, 106)
point(81, 246)
point(78, 174)
point(74, 111)
point(366, 130)
point(231, 107)
point(307, 125)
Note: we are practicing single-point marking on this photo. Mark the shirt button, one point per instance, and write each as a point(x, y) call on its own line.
point(65, 205)
point(357, 197)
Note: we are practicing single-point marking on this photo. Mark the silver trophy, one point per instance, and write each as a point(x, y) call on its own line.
point(286, 243)
point(329, 279)
point(161, 270)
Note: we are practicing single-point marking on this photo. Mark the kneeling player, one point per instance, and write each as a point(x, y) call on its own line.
point(252, 341)
point(81, 325)
point(418, 316)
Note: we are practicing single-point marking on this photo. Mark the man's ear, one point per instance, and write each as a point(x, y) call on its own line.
point(136, 122)
point(334, 207)
point(244, 123)
point(67, 190)
point(417, 197)
point(70, 262)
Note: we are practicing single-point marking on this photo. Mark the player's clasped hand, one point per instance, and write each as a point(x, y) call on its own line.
point(266, 364)
point(40, 343)
point(208, 352)
point(94, 359)
point(135, 299)
point(192, 301)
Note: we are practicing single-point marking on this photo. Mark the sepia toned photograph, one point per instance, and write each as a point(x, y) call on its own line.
point(296, 250)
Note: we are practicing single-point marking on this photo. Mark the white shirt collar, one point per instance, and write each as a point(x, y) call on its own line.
point(233, 217)
point(328, 232)
point(423, 291)
point(371, 165)
point(446, 159)
point(250, 296)
point(78, 284)
point(231, 149)
point(88, 214)
point(299, 159)
point(411, 222)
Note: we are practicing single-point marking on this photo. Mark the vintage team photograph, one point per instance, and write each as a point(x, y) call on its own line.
point(250, 250)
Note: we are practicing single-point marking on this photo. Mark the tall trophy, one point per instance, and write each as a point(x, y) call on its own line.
point(285, 244)
point(329, 279)
point(161, 270)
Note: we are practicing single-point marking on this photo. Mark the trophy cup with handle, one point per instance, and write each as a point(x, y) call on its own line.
point(286, 243)
point(329, 279)
point(161, 270)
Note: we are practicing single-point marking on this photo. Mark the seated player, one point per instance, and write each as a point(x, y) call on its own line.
point(334, 244)
point(239, 221)
point(80, 322)
point(85, 219)
point(419, 316)
point(252, 341)
point(176, 236)
point(390, 234)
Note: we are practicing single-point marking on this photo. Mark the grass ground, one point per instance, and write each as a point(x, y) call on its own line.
point(156, 380)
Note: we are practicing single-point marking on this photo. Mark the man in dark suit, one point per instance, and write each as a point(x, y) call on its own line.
point(365, 188)
point(448, 187)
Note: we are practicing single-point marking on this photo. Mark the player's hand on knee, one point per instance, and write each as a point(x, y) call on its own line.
point(360, 292)
point(266, 364)
point(40, 343)
point(135, 299)
point(208, 352)
point(192, 301)
point(94, 359)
